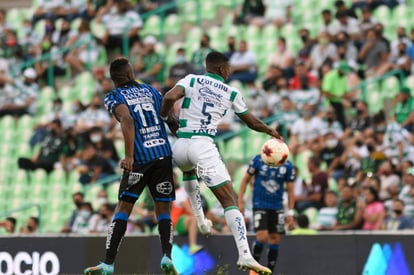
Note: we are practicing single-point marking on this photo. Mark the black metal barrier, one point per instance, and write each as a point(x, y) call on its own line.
point(307, 255)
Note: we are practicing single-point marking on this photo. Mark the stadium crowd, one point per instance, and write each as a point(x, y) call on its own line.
point(358, 171)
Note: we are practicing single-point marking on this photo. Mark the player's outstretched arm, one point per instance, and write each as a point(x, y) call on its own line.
point(128, 131)
point(256, 124)
point(169, 99)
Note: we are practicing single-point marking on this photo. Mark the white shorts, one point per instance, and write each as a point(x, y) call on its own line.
point(201, 153)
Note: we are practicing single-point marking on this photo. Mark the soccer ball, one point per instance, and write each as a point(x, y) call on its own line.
point(274, 152)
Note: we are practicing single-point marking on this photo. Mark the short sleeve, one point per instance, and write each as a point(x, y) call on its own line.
point(238, 104)
point(186, 82)
point(290, 173)
point(251, 170)
point(111, 102)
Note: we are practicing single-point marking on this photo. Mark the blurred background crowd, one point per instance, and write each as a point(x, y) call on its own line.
point(334, 77)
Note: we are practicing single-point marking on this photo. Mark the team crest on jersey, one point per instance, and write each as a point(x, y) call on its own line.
point(282, 170)
point(164, 188)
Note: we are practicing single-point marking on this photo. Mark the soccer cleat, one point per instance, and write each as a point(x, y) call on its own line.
point(205, 228)
point(251, 264)
point(167, 266)
point(100, 269)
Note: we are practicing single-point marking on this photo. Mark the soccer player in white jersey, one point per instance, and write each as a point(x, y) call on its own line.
point(206, 99)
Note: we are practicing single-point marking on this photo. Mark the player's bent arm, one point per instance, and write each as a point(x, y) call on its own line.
point(291, 195)
point(128, 128)
point(169, 99)
point(244, 182)
point(256, 124)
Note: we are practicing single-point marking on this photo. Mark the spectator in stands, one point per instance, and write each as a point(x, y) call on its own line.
point(345, 23)
point(335, 88)
point(78, 200)
point(305, 95)
point(46, 9)
point(374, 212)
point(327, 21)
point(397, 220)
point(24, 96)
point(401, 38)
point(331, 123)
point(302, 226)
point(31, 226)
point(87, 53)
point(231, 46)
point(149, 63)
point(404, 108)
point(104, 146)
point(407, 192)
point(367, 21)
point(305, 51)
point(278, 12)
point(119, 21)
point(315, 191)
point(243, 65)
point(327, 215)
point(394, 191)
point(93, 116)
point(331, 153)
point(256, 101)
point(350, 54)
point(400, 60)
point(341, 7)
point(251, 12)
point(290, 115)
point(94, 167)
point(81, 223)
point(374, 54)
point(100, 222)
point(199, 55)
point(305, 130)
point(283, 58)
point(410, 48)
point(9, 224)
point(354, 152)
point(73, 9)
point(322, 52)
point(301, 71)
point(183, 218)
point(271, 77)
point(49, 152)
point(179, 69)
point(362, 120)
point(349, 210)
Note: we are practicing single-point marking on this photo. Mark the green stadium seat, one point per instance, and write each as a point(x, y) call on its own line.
point(188, 11)
point(237, 178)
point(234, 149)
point(172, 24)
point(390, 87)
point(208, 10)
point(382, 13)
point(97, 29)
point(152, 26)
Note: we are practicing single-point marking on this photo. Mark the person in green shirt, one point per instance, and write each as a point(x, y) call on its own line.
point(197, 60)
point(303, 229)
point(404, 108)
point(334, 88)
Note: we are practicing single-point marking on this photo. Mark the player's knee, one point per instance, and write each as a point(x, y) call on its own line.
point(274, 238)
point(262, 236)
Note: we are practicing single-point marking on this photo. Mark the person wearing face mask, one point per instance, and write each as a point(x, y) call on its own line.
point(331, 153)
point(400, 60)
point(306, 95)
point(81, 223)
point(374, 54)
point(361, 121)
point(77, 199)
point(321, 52)
point(198, 57)
point(354, 152)
point(100, 221)
point(397, 220)
point(104, 146)
point(148, 62)
point(308, 44)
point(179, 69)
point(374, 212)
point(49, 152)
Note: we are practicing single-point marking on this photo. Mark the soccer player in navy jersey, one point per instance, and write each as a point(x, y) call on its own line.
point(268, 214)
point(147, 161)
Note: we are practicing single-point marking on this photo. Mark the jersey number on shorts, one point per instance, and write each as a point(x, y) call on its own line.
point(148, 107)
point(207, 114)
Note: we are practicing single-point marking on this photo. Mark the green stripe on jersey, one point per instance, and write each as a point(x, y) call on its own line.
point(192, 82)
point(233, 96)
point(190, 135)
point(242, 113)
point(186, 103)
point(182, 123)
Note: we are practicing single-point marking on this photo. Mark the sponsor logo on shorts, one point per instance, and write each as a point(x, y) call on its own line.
point(134, 178)
point(164, 188)
point(205, 172)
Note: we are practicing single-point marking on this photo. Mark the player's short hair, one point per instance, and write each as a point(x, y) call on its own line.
point(214, 60)
point(119, 69)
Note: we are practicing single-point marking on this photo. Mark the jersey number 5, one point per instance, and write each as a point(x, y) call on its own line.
point(148, 107)
point(206, 113)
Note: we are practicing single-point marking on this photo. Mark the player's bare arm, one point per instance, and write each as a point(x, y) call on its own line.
point(128, 131)
point(244, 182)
point(291, 205)
point(256, 124)
point(169, 99)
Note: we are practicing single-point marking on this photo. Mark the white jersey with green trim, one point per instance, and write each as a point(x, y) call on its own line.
point(207, 99)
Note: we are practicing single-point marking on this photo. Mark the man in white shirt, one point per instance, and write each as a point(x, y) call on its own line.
point(243, 65)
point(347, 24)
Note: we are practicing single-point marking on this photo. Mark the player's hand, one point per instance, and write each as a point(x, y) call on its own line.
point(290, 222)
point(275, 134)
point(127, 163)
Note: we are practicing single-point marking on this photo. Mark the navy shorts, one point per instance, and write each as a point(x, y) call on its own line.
point(270, 220)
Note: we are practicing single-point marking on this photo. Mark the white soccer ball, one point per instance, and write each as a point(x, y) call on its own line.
point(274, 152)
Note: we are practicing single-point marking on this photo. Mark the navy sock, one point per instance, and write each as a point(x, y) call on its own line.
point(272, 256)
point(257, 250)
point(116, 232)
point(165, 230)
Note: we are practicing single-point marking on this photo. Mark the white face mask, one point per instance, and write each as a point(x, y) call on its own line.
point(102, 200)
point(96, 138)
point(84, 214)
point(331, 143)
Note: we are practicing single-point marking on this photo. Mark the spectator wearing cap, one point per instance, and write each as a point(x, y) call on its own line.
point(335, 88)
point(283, 58)
point(121, 21)
point(24, 96)
point(200, 54)
point(148, 63)
point(397, 220)
point(243, 65)
point(324, 51)
point(179, 69)
point(374, 54)
point(404, 108)
point(407, 192)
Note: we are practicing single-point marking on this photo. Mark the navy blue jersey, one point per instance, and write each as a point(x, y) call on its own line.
point(144, 104)
point(268, 183)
